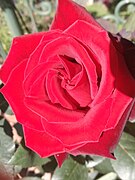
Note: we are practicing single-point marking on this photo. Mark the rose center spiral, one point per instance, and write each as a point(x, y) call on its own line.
point(68, 85)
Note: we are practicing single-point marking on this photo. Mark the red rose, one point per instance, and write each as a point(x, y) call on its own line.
point(69, 87)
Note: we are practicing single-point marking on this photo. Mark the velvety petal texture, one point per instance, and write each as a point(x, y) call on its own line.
point(68, 12)
point(21, 48)
point(72, 88)
point(60, 158)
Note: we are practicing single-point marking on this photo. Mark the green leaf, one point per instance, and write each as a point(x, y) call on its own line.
point(71, 170)
point(105, 167)
point(110, 176)
point(7, 147)
point(27, 158)
point(125, 155)
point(94, 161)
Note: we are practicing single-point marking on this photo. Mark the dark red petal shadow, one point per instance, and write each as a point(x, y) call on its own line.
point(123, 93)
point(60, 158)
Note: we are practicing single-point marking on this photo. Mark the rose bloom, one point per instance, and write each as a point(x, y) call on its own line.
point(71, 88)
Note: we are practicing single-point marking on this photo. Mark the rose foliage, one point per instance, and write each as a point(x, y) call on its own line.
point(71, 88)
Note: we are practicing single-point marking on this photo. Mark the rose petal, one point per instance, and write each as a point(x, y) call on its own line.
point(70, 65)
point(88, 128)
point(35, 56)
point(107, 142)
point(56, 93)
point(124, 77)
point(125, 52)
point(33, 60)
point(102, 52)
point(128, 49)
point(52, 113)
point(124, 93)
point(60, 158)
point(80, 91)
point(37, 89)
point(77, 81)
point(13, 92)
point(120, 104)
point(42, 143)
point(20, 49)
point(68, 12)
point(77, 51)
point(39, 71)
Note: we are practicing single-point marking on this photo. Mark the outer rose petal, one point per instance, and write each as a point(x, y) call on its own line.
point(60, 158)
point(107, 141)
point(20, 49)
point(68, 12)
point(124, 93)
point(42, 143)
point(127, 49)
point(14, 94)
point(86, 129)
point(119, 105)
